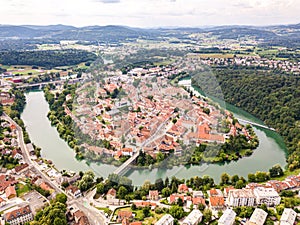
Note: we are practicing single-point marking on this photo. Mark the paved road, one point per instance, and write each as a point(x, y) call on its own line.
point(95, 216)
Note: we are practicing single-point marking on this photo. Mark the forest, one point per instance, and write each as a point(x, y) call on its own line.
point(273, 98)
point(47, 59)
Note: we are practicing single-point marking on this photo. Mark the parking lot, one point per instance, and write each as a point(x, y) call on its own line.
point(35, 200)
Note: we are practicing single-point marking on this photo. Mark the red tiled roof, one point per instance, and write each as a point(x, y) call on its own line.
point(198, 200)
point(9, 191)
point(182, 188)
point(216, 201)
point(112, 192)
point(17, 213)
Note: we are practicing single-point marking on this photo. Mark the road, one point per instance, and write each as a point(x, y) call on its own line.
point(95, 217)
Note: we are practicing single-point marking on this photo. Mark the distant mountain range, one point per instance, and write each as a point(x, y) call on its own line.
point(113, 33)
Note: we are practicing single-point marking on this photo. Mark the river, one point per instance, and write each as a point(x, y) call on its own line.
point(271, 149)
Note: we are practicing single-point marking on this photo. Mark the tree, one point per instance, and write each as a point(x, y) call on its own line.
point(225, 178)
point(177, 212)
point(122, 192)
point(159, 184)
point(201, 207)
point(251, 177)
point(276, 171)
point(146, 211)
point(61, 197)
point(86, 181)
point(167, 182)
point(264, 207)
point(207, 214)
point(166, 192)
point(100, 188)
point(234, 179)
point(239, 185)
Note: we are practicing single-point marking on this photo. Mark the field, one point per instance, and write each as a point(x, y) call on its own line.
point(23, 70)
point(21, 189)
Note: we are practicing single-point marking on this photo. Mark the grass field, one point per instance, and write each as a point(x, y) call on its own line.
point(21, 189)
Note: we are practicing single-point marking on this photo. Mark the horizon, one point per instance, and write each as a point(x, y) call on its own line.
point(157, 27)
point(151, 13)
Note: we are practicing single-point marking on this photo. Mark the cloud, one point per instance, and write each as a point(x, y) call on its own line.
point(109, 1)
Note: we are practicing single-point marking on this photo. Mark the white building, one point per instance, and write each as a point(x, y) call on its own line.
point(193, 218)
point(227, 218)
point(19, 216)
point(165, 220)
point(241, 197)
point(266, 196)
point(258, 217)
point(288, 217)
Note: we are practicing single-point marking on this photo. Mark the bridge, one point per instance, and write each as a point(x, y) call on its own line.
point(42, 84)
point(255, 124)
point(121, 170)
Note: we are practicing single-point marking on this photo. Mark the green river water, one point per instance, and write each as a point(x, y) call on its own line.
point(271, 149)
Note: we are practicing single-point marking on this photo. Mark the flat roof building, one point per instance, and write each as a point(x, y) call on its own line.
point(288, 217)
point(227, 218)
point(193, 218)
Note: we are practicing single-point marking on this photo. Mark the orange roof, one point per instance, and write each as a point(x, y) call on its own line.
point(10, 190)
point(112, 192)
point(136, 223)
point(203, 133)
point(45, 186)
point(216, 201)
point(127, 150)
point(198, 200)
point(125, 214)
point(182, 188)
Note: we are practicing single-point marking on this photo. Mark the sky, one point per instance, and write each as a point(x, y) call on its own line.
point(150, 13)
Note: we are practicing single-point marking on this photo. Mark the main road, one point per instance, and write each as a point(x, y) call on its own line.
point(95, 217)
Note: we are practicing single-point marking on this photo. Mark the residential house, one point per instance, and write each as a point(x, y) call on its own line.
point(266, 195)
point(165, 220)
point(288, 217)
point(278, 185)
point(111, 194)
point(215, 192)
point(17, 154)
point(227, 189)
point(19, 216)
point(74, 191)
point(30, 148)
point(183, 188)
point(80, 218)
point(194, 218)
point(153, 195)
point(2, 202)
point(143, 204)
point(198, 194)
point(21, 168)
point(216, 202)
point(227, 218)
point(122, 214)
point(198, 200)
point(258, 217)
point(6, 181)
point(10, 192)
point(174, 198)
point(127, 151)
point(241, 197)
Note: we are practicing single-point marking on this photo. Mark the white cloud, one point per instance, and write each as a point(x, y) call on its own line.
point(149, 13)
